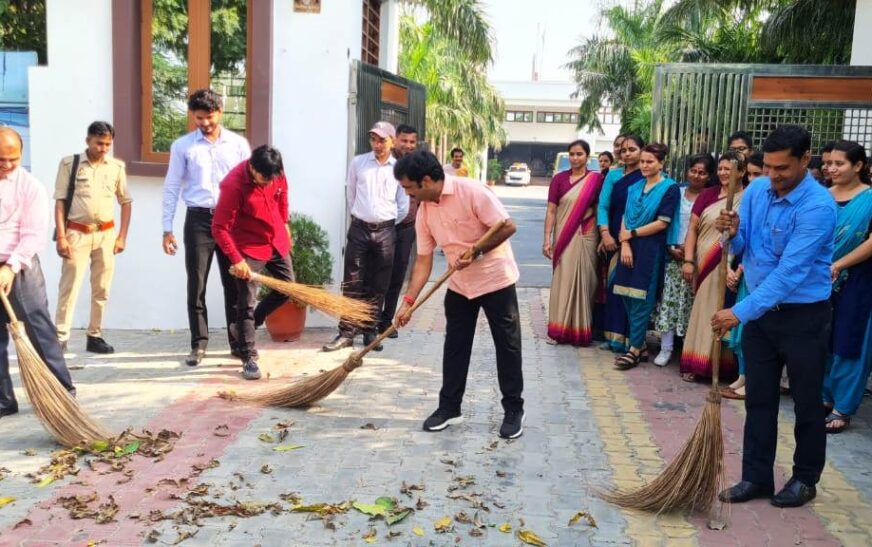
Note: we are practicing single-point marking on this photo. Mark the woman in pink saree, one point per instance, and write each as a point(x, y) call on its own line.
point(571, 240)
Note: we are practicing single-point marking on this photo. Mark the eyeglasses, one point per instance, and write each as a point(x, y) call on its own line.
point(738, 149)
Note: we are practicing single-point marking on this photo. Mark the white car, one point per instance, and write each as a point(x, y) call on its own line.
point(518, 175)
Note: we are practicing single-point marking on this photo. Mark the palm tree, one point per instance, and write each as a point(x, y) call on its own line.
point(795, 31)
point(464, 23)
point(462, 107)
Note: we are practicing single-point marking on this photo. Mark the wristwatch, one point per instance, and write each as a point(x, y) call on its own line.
point(633, 233)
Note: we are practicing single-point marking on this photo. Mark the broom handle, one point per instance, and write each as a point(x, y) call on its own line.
point(722, 276)
point(439, 282)
point(9, 311)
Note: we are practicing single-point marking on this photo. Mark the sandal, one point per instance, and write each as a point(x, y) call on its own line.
point(689, 377)
point(551, 341)
point(729, 393)
point(833, 417)
point(628, 360)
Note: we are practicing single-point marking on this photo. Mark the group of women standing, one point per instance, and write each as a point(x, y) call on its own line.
point(630, 246)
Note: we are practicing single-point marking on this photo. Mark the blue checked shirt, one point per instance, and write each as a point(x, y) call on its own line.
point(787, 244)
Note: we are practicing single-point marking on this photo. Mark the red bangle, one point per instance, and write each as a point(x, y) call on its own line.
point(409, 300)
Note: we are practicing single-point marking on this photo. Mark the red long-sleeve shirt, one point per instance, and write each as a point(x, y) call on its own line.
point(250, 219)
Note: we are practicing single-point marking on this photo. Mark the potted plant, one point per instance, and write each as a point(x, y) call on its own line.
point(494, 171)
point(313, 264)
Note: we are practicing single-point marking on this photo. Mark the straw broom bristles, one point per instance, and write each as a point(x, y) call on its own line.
point(57, 410)
point(308, 391)
point(694, 477)
point(356, 312)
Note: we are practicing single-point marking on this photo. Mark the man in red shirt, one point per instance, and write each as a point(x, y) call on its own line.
point(250, 226)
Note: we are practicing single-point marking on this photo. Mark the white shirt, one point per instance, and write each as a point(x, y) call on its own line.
point(197, 167)
point(373, 194)
point(684, 213)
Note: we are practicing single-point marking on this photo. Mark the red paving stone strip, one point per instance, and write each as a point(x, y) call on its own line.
point(195, 418)
point(755, 523)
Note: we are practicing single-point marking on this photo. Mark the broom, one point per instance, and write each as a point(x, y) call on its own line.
point(310, 390)
point(58, 411)
point(692, 480)
point(357, 312)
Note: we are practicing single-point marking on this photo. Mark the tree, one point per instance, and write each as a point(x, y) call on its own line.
point(462, 107)
point(22, 27)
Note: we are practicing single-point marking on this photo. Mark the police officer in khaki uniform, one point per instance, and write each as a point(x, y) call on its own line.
point(86, 233)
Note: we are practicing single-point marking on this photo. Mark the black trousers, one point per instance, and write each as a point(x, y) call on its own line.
point(369, 259)
point(405, 238)
point(199, 248)
point(461, 315)
point(249, 317)
point(30, 304)
point(797, 335)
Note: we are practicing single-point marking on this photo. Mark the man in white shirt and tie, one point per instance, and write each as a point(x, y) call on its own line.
point(376, 200)
point(199, 161)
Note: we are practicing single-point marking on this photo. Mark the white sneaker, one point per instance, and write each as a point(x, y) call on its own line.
point(663, 358)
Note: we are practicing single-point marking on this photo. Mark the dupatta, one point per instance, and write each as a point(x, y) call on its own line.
point(587, 196)
point(852, 225)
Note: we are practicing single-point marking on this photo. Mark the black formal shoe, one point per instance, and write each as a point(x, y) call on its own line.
point(98, 345)
point(338, 343)
point(441, 419)
point(368, 339)
point(794, 494)
point(8, 411)
point(745, 491)
point(195, 357)
point(513, 424)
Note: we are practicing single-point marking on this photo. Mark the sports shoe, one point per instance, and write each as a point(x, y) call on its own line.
point(441, 419)
point(663, 357)
point(250, 370)
point(513, 424)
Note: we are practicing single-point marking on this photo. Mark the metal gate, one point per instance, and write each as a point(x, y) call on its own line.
point(378, 95)
point(697, 106)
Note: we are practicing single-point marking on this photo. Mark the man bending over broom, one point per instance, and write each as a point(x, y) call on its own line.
point(251, 228)
point(23, 228)
point(454, 213)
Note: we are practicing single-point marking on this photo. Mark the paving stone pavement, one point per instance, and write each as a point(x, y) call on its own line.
point(588, 427)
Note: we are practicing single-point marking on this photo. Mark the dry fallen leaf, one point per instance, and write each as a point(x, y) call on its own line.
point(152, 536)
point(294, 498)
point(445, 524)
point(418, 531)
point(505, 528)
point(369, 426)
point(20, 523)
point(266, 437)
point(407, 489)
point(530, 538)
point(287, 447)
point(6, 500)
point(370, 536)
point(463, 518)
point(476, 532)
point(221, 430)
point(582, 515)
point(266, 469)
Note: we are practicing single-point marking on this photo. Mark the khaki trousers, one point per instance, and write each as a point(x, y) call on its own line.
point(94, 250)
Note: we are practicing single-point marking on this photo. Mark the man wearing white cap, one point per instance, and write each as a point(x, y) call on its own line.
point(376, 200)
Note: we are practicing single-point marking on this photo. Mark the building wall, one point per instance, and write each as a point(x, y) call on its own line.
point(861, 51)
point(311, 58)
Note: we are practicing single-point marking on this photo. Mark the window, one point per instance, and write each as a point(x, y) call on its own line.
point(522, 116)
point(188, 45)
point(557, 117)
point(371, 24)
point(607, 115)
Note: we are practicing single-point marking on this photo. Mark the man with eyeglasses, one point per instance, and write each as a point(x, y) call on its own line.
point(376, 202)
point(24, 214)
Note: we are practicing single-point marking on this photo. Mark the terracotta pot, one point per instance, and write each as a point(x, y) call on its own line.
point(286, 324)
point(491, 182)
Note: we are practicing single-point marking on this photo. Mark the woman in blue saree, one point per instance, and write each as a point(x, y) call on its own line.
point(649, 224)
point(851, 358)
point(612, 318)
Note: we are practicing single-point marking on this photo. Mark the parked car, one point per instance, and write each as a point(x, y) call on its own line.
point(561, 163)
point(518, 175)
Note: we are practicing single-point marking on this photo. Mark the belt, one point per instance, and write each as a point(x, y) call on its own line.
point(795, 305)
point(202, 210)
point(373, 226)
point(90, 228)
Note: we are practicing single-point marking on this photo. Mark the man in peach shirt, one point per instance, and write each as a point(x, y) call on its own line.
point(454, 213)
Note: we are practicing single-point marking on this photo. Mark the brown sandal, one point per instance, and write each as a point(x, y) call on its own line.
point(689, 377)
point(628, 360)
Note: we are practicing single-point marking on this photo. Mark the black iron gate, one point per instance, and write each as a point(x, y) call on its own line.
point(378, 95)
point(697, 106)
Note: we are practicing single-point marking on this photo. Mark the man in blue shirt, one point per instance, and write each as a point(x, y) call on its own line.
point(199, 161)
point(785, 229)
